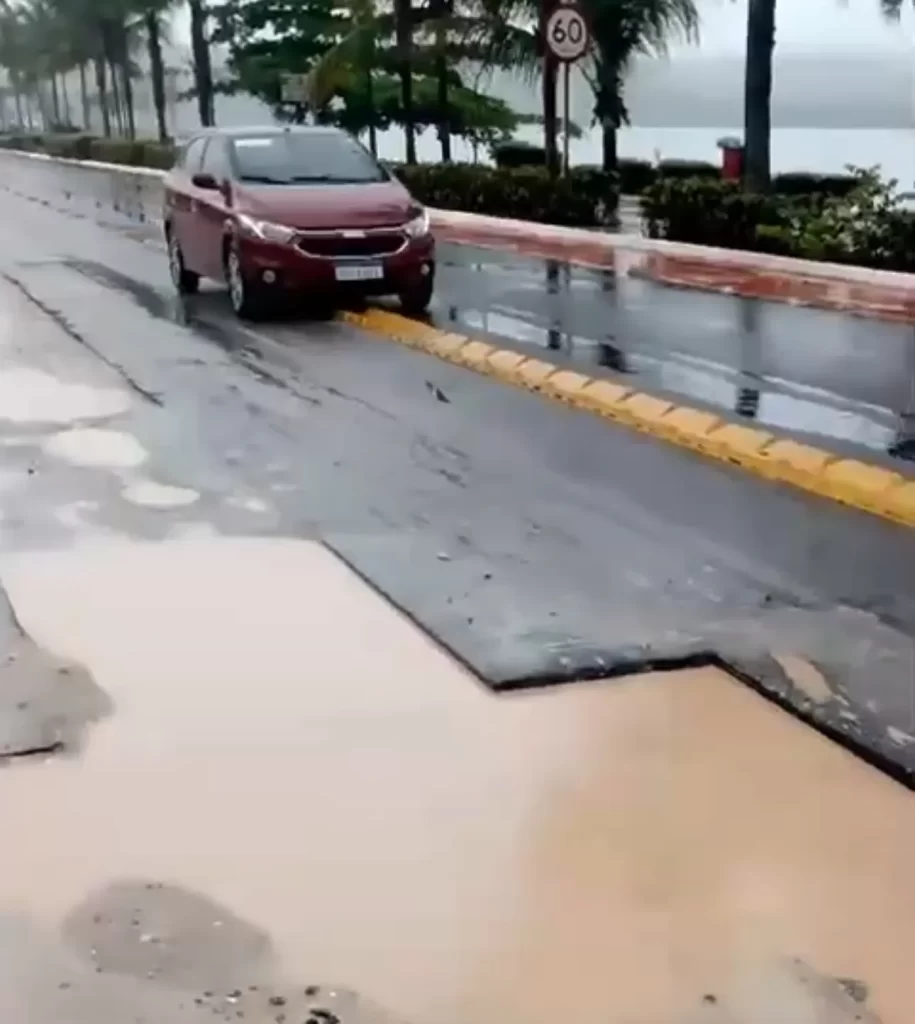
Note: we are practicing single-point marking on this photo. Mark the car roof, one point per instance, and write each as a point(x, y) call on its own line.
point(262, 130)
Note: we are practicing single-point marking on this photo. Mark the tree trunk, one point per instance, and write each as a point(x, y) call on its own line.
point(65, 101)
point(101, 88)
point(44, 110)
point(157, 72)
point(441, 81)
point(370, 106)
point(203, 68)
point(116, 96)
point(609, 146)
point(84, 98)
point(550, 117)
point(403, 14)
point(55, 99)
point(17, 100)
point(130, 117)
point(758, 93)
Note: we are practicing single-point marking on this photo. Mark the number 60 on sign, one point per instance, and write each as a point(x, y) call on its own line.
point(567, 33)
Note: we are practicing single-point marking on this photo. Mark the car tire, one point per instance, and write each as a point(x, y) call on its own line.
point(246, 298)
point(415, 300)
point(185, 281)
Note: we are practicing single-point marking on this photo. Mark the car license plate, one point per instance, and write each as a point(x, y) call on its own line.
point(370, 272)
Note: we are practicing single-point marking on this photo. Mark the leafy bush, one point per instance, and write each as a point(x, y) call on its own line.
point(867, 226)
point(139, 153)
point(635, 176)
point(688, 169)
point(586, 198)
point(518, 154)
point(707, 211)
point(803, 183)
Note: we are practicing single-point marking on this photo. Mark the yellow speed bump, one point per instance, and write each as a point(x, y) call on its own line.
point(566, 385)
point(533, 373)
point(856, 484)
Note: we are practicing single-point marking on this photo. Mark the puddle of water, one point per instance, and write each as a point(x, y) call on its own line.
point(150, 494)
point(806, 677)
point(287, 745)
point(31, 396)
point(94, 447)
point(749, 336)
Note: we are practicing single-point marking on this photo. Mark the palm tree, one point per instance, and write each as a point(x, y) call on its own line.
point(621, 30)
point(403, 29)
point(203, 67)
point(761, 21)
point(153, 28)
point(758, 93)
point(444, 10)
point(11, 55)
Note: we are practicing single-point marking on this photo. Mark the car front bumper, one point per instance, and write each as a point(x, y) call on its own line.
point(287, 268)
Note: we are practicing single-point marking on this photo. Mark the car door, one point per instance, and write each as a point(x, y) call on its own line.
point(180, 199)
point(211, 208)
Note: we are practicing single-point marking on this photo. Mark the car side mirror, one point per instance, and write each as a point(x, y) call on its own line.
point(204, 181)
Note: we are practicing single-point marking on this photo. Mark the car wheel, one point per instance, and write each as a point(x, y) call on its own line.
point(186, 281)
point(414, 301)
point(246, 298)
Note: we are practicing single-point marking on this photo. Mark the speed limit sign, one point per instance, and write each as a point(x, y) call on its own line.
point(567, 33)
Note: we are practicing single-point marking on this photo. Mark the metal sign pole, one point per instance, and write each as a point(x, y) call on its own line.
point(566, 79)
point(548, 79)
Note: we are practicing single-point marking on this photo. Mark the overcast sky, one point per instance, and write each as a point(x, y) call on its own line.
point(809, 25)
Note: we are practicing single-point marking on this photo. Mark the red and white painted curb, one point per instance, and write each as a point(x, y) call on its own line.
point(859, 290)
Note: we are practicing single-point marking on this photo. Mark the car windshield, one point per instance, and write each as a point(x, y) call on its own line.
point(305, 157)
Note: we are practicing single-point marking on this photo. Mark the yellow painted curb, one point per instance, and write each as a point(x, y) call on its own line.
point(856, 484)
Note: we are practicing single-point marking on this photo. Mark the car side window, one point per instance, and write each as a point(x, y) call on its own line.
point(215, 161)
point(193, 156)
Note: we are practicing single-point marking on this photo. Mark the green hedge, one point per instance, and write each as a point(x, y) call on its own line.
point(865, 227)
point(803, 183)
point(518, 154)
point(688, 169)
point(139, 153)
point(586, 198)
point(637, 175)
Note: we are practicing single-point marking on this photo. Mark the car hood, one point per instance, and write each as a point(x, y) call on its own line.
point(378, 204)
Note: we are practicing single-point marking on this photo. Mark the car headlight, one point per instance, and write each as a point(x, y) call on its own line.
point(418, 227)
point(265, 230)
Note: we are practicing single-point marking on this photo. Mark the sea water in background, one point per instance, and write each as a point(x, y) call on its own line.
point(822, 150)
point(867, 119)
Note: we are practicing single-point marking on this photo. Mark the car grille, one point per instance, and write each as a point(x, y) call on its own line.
point(340, 246)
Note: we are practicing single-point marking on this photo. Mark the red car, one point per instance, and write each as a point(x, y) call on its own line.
point(306, 210)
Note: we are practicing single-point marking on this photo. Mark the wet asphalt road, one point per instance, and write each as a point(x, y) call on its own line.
point(842, 381)
point(535, 542)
